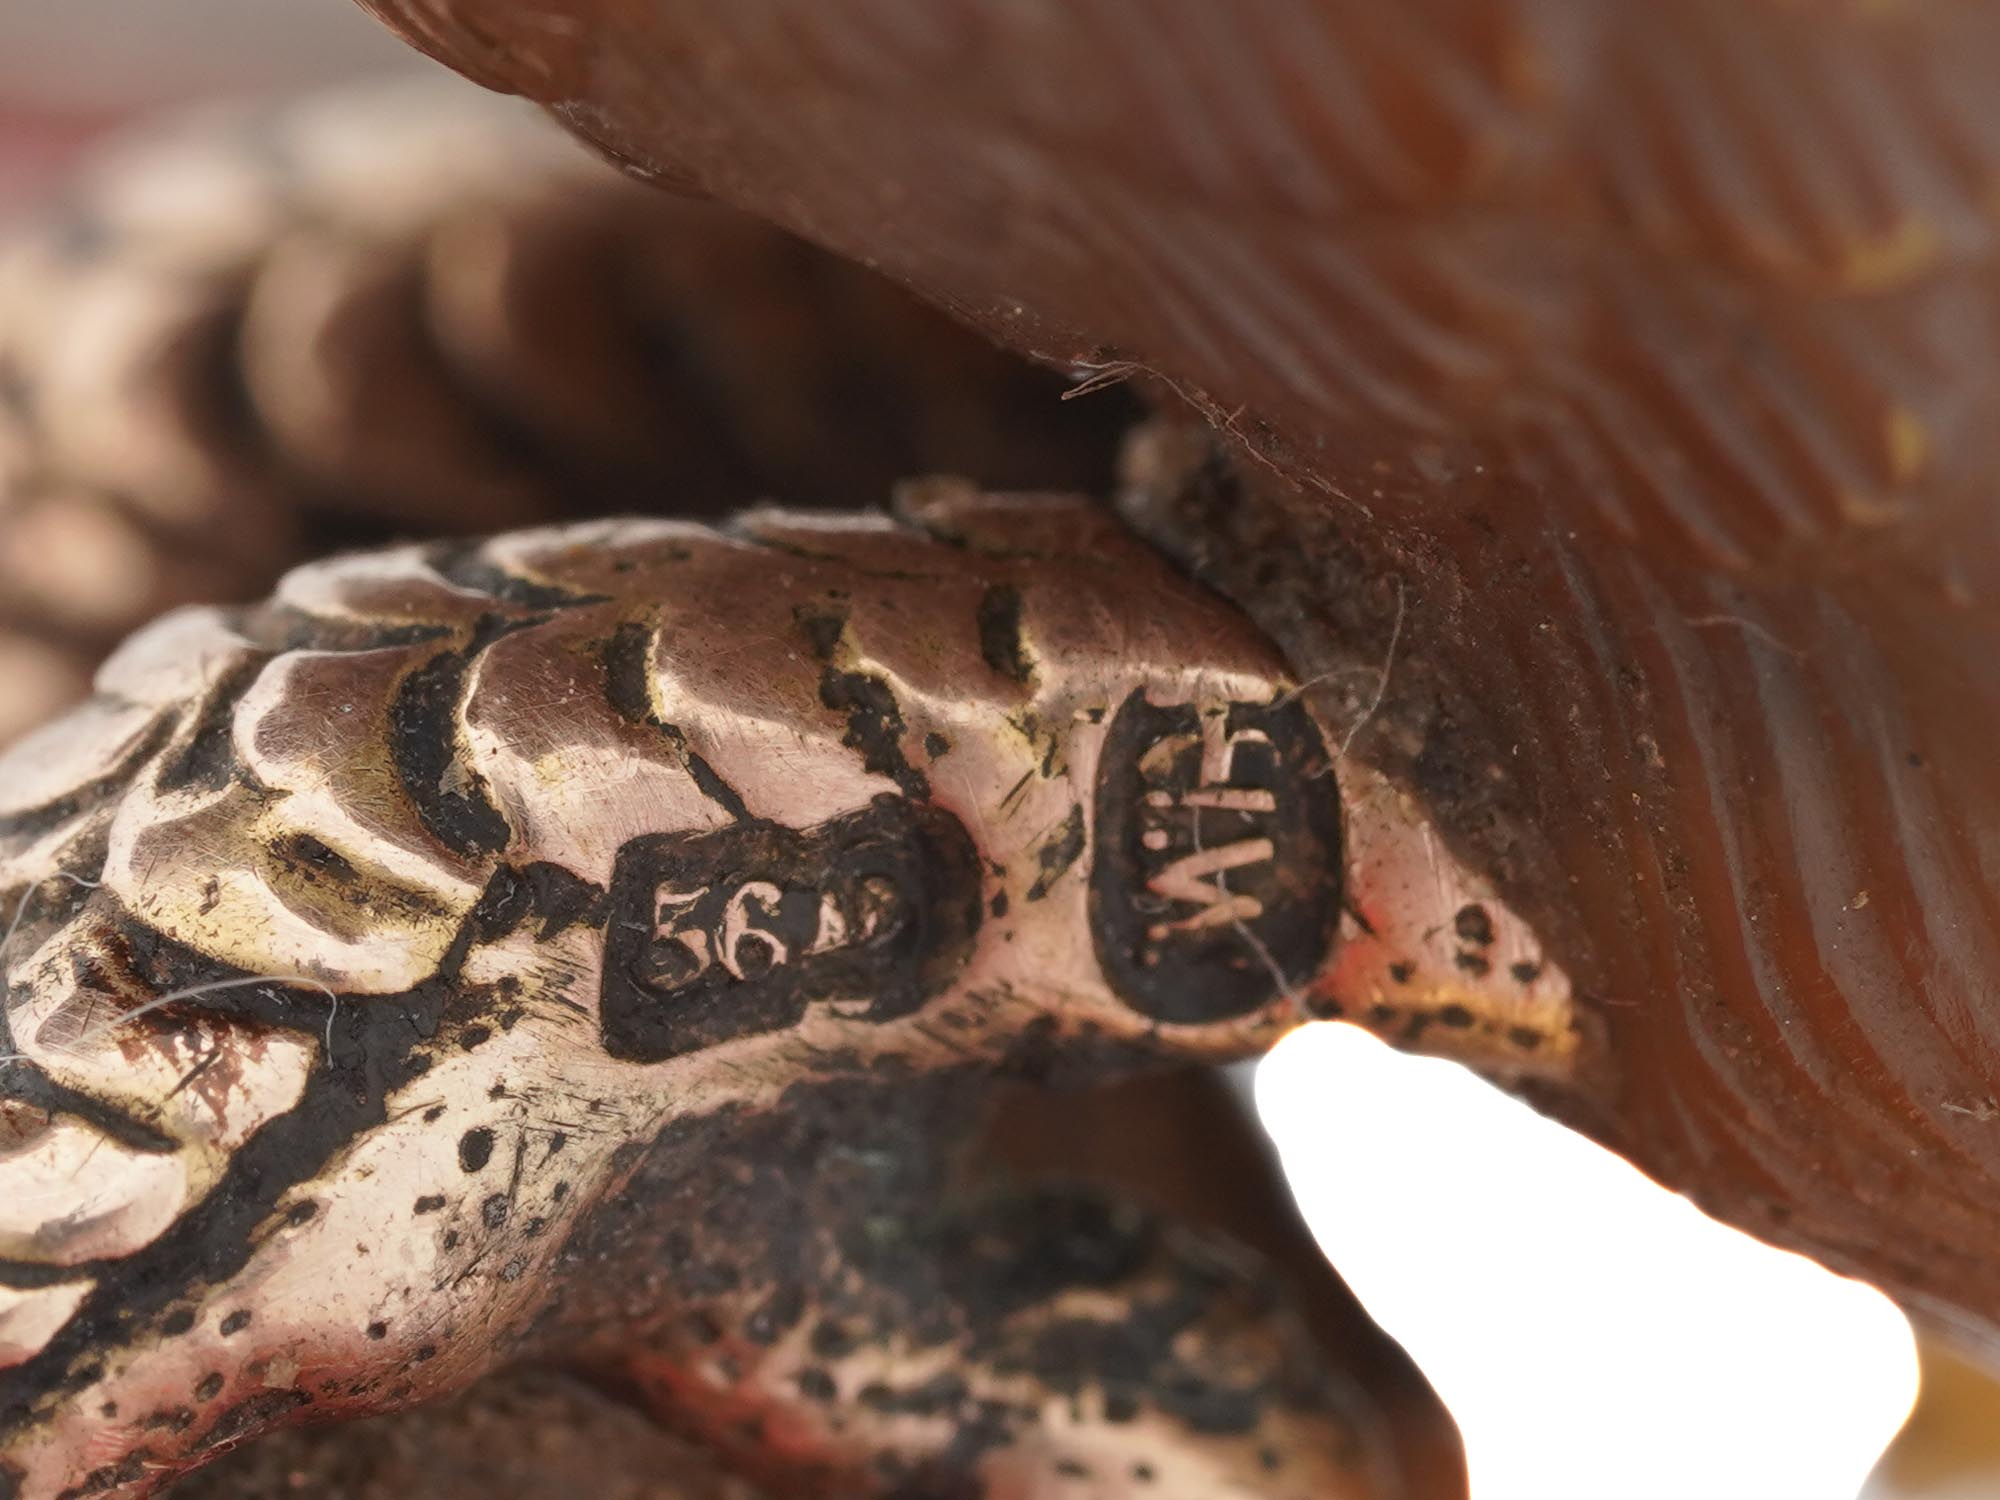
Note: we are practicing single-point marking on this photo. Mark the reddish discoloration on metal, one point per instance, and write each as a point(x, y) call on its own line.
point(1431, 957)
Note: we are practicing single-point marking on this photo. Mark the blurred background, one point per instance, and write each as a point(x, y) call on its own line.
point(1594, 1335)
point(71, 68)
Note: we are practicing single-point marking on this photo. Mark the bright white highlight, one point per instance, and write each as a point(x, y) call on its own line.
point(1593, 1334)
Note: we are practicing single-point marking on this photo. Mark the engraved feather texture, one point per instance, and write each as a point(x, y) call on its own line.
point(1651, 347)
point(392, 311)
point(393, 924)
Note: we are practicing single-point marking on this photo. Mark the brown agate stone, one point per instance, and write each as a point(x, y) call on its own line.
point(1637, 361)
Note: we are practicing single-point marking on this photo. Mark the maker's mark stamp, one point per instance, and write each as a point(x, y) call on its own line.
point(1217, 878)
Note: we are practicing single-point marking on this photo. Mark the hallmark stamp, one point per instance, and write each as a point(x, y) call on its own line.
point(720, 935)
point(1216, 882)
